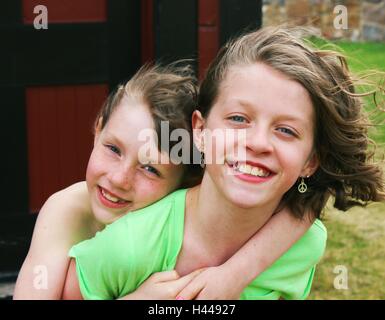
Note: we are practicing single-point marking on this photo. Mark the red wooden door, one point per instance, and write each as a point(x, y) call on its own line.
point(60, 117)
point(52, 82)
point(59, 129)
point(60, 111)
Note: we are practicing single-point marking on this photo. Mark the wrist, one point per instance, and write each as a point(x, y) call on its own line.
point(242, 267)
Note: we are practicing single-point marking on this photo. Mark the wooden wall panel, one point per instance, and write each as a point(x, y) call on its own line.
point(208, 33)
point(60, 136)
point(67, 11)
point(147, 31)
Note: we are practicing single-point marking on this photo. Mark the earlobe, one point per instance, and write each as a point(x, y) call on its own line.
point(197, 122)
point(311, 166)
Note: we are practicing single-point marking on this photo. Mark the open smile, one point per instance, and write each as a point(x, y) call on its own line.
point(110, 200)
point(249, 171)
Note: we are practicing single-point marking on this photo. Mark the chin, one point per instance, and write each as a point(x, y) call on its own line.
point(243, 199)
point(103, 216)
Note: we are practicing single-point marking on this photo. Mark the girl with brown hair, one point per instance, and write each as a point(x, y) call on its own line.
point(306, 140)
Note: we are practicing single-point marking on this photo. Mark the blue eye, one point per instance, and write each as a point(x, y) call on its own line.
point(114, 149)
point(237, 118)
point(151, 170)
point(287, 131)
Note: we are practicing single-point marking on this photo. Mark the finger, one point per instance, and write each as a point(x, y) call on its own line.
point(181, 283)
point(191, 290)
point(166, 276)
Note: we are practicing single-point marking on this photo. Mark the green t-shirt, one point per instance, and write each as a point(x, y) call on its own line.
point(122, 256)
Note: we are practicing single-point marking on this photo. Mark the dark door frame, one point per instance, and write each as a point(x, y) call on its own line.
point(64, 54)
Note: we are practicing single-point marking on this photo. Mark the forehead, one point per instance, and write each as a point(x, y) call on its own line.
point(261, 88)
point(131, 114)
point(131, 125)
point(130, 120)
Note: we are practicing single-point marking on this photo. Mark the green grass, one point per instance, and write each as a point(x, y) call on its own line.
point(356, 238)
point(363, 58)
point(364, 55)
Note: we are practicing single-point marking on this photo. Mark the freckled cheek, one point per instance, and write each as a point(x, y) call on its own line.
point(148, 191)
point(97, 166)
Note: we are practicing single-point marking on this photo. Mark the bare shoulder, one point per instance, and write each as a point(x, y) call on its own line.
point(74, 197)
point(67, 215)
point(70, 203)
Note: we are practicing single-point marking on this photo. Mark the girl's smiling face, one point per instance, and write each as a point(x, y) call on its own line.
point(277, 115)
point(117, 182)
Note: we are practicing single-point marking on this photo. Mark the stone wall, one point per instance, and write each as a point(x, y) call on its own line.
point(365, 18)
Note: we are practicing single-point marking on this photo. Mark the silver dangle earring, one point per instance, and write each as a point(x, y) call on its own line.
point(202, 162)
point(302, 187)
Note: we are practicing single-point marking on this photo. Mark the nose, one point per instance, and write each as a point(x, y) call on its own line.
point(258, 140)
point(122, 176)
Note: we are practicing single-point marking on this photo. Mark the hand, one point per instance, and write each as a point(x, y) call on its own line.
point(214, 283)
point(164, 285)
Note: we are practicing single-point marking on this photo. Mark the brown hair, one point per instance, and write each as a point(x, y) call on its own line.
point(340, 141)
point(171, 94)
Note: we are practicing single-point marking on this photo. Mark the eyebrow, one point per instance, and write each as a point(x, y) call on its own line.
point(244, 104)
point(111, 136)
point(292, 118)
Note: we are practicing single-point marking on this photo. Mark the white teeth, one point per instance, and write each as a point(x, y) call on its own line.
point(257, 172)
point(109, 197)
point(245, 168)
point(254, 171)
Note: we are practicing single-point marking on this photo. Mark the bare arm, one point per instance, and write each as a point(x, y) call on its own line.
point(159, 286)
point(280, 232)
point(71, 290)
point(228, 280)
point(44, 270)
